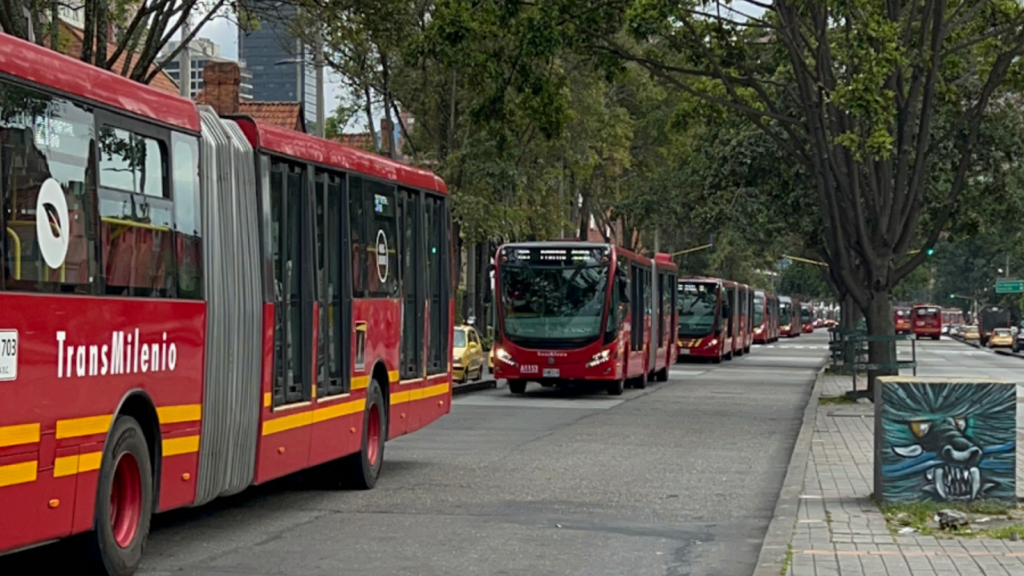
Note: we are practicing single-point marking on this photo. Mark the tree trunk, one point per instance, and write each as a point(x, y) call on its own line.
point(849, 315)
point(879, 321)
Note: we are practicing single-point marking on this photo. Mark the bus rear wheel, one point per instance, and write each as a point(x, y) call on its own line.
point(362, 469)
point(124, 502)
point(661, 375)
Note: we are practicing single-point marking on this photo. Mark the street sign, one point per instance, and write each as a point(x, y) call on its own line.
point(1009, 286)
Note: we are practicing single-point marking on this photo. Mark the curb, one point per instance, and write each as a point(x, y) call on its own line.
point(474, 387)
point(780, 530)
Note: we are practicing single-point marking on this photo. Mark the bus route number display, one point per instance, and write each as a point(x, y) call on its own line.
point(8, 355)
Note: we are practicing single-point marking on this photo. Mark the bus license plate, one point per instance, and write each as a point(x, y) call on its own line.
point(8, 355)
point(551, 372)
point(684, 351)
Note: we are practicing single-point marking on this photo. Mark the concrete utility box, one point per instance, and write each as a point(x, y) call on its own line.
point(945, 440)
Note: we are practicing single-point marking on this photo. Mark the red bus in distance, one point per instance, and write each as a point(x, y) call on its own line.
point(766, 317)
point(214, 303)
point(703, 325)
point(807, 318)
point(789, 317)
point(901, 320)
point(572, 313)
point(665, 351)
point(927, 321)
point(745, 328)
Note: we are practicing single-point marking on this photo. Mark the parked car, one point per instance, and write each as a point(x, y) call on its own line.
point(1001, 338)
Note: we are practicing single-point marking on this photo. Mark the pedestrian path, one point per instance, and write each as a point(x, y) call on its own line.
point(839, 530)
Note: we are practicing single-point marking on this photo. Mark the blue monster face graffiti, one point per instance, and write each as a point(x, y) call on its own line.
point(948, 442)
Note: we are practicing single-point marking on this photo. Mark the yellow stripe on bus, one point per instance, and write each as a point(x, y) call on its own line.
point(266, 399)
point(360, 382)
point(71, 465)
point(20, 434)
point(183, 445)
point(88, 426)
point(287, 423)
point(20, 473)
point(313, 416)
point(178, 414)
point(420, 394)
point(338, 410)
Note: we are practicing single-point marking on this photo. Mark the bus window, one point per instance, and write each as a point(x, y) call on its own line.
point(46, 147)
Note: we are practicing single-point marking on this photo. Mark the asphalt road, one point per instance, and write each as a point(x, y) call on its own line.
point(678, 479)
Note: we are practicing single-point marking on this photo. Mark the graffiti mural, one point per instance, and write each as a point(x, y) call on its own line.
point(945, 441)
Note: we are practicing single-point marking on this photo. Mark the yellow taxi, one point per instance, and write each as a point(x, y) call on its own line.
point(467, 355)
point(971, 333)
point(1001, 338)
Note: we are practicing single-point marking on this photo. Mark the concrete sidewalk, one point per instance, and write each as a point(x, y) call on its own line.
point(839, 531)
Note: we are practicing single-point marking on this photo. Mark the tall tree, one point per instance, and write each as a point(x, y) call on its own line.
point(136, 30)
point(881, 103)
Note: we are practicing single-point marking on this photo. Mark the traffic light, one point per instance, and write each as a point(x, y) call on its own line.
point(930, 251)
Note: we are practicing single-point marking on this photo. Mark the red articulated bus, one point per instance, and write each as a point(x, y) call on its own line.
point(766, 317)
point(665, 295)
point(196, 305)
point(703, 319)
point(927, 321)
point(572, 313)
point(789, 317)
point(901, 320)
point(951, 317)
point(744, 320)
point(807, 318)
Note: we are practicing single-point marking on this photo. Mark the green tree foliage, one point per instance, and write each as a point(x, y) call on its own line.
point(141, 27)
point(805, 281)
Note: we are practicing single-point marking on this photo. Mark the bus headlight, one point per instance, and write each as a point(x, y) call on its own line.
point(504, 356)
point(714, 342)
point(758, 330)
point(600, 357)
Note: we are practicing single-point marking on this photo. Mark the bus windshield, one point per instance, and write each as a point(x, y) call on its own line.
point(758, 310)
point(784, 308)
point(805, 315)
point(553, 302)
point(698, 308)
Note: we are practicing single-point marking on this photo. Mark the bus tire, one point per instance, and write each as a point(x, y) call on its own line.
point(640, 383)
point(124, 502)
point(615, 388)
point(361, 470)
point(717, 359)
point(661, 375)
point(517, 386)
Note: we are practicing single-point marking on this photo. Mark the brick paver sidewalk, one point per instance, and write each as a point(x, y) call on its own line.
point(840, 532)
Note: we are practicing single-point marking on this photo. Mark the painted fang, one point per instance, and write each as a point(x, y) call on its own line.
point(125, 354)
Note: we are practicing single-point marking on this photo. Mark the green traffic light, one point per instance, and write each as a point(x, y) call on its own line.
point(930, 251)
